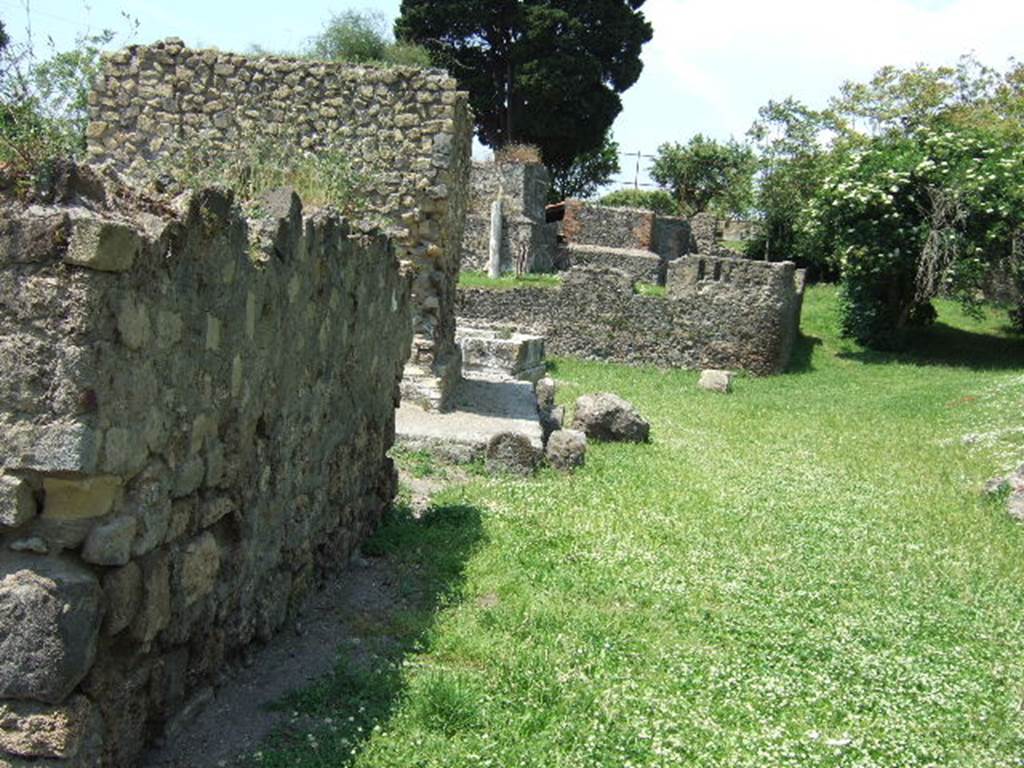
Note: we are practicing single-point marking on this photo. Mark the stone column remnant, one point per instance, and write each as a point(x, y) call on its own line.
point(494, 247)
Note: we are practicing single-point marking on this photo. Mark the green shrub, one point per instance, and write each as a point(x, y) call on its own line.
point(363, 37)
point(657, 200)
point(254, 166)
point(912, 216)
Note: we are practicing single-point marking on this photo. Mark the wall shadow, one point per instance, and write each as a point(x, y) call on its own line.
point(942, 344)
point(801, 359)
point(420, 562)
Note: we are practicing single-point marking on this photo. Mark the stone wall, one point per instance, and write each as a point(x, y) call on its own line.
point(526, 235)
point(195, 411)
point(718, 313)
point(408, 129)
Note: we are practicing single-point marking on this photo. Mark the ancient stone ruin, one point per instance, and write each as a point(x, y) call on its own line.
point(408, 130)
point(718, 313)
point(527, 241)
point(196, 411)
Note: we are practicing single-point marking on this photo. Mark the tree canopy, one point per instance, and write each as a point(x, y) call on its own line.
point(543, 72)
point(705, 173)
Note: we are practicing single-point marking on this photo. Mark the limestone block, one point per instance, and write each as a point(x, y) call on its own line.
point(50, 614)
point(106, 246)
point(71, 507)
point(122, 588)
point(30, 729)
point(111, 542)
point(17, 503)
point(200, 563)
point(716, 381)
point(58, 446)
point(567, 449)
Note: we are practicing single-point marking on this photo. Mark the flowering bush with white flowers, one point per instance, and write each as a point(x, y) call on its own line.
point(908, 216)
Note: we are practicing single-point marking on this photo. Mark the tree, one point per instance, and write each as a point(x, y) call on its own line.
point(587, 173)
point(791, 161)
point(364, 38)
point(705, 174)
point(4, 39)
point(542, 72)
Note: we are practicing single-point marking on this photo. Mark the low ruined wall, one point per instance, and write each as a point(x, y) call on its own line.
point(195, 411)
point(526, 235)
point(719, 313)
point(590, 224)
point(408, 129)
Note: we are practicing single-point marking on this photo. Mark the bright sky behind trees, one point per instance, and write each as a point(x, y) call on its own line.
point(711, 64)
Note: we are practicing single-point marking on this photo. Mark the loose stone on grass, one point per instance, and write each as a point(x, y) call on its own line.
point(716, 381)
point(609, 418)
point(567, 449)
point(513, 453)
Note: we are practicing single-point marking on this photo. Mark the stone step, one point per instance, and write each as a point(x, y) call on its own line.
point(501, 352)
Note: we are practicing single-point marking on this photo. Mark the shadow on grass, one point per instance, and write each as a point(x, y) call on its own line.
point(425, 561)
point(801, 359)
point(942, 344)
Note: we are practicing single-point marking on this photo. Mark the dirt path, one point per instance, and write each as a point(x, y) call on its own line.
point(232, 724)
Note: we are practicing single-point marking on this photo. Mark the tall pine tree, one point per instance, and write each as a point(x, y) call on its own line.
point(543, 72)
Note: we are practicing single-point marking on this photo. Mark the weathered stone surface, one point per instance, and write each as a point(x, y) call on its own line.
point(545, 389)
point(608, 417)
point(155, 608)
point(512, 452)
point(567, 449)
point(72, 507)
point(200, 563)
point(110, 543)
point(409, 131)
point(716, 381)
point(106, 246)
point(30, 729)
point(50, 614)
point(727, 313)
point(17, 502)
point(122, 588)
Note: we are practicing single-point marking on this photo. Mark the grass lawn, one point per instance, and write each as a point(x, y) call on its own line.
point(803, 573)
point(508, 282)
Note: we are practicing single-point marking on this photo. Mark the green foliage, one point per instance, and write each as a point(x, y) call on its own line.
point(587, 173)
point(705, 174)
point(819, 584)
point(543, 72)
point(657, 200)
point(912, 216)
point(43, 104)
point(257, 165)
point(363, 37)
point(509, 282)
point(791, 162)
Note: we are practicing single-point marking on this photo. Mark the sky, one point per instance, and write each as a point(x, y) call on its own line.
point(711, 63)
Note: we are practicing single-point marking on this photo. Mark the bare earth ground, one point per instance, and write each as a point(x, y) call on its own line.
point(232, 724)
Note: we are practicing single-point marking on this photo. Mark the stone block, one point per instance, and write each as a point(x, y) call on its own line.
point(31, 729)
point(122, 588)
point(17, 502)
point(110, 543)
point(154, 611)
point(50, 615)
point(716, 381)
point(513, 453)
point(608, 417)
point(566, 449)
point(106, 246)
point(200, 564)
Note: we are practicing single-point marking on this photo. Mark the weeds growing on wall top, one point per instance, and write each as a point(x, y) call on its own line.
point(325, 177)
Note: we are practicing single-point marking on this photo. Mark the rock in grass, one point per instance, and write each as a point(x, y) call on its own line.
point(512, 452)
point(716, 381)
point(607, 417)
point(567, 449)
